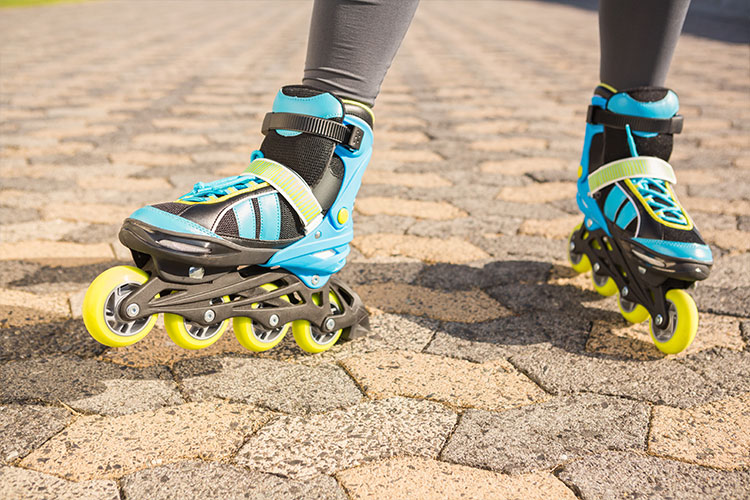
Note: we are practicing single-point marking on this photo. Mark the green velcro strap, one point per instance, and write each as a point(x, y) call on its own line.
point(292, 188)
point(639, 166)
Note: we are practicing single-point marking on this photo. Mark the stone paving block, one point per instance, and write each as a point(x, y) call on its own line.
point(501, 145)
point(56, 252)
point(494, 386)
point(729, 239)
point(451, 249)
point(555, 228)
point(626, 341)
point(408, 208)
point(425, 180)
point(29, 333)
point(615, 475)
point(462, 277)
point(714, 434)
point(277, 385)
point(170, 140)
point(540, 192)
point(470, 306)
point(48, 230)
point(360, 270)
point(9, 215)
point(51, 305)
point(109, 447)
point(717, 205)
point(407, 156)
point(302, 447)
point(17, 484)
point(123, 183)
point(726, 368)
point(73, 380)
point(665, 381)
point(491, 127)
point(377, 224)
point(217, 481)
point(733, 301)
point(465, 227)
point(547, 434)
point(413, 477)
point(150, 159)
point(87, 212)
point(23, 428)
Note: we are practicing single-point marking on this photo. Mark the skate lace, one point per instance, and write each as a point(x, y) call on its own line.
point(660, 199)
point(203, 191)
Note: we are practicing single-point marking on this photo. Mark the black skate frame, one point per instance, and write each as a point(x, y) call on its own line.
point(647, 278)
point(192, 297)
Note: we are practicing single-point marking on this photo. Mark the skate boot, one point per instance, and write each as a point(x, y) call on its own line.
point(260, 248)
point(636, 236)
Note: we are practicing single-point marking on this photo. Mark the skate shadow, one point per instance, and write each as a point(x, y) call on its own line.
point(502, 307)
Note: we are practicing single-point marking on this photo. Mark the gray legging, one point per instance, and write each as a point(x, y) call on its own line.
point(352, 43)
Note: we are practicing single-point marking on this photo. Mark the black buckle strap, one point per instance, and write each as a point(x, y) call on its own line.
point(597, 115)
point(347, 135)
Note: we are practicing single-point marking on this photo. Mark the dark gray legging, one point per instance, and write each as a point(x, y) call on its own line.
point(352, 42)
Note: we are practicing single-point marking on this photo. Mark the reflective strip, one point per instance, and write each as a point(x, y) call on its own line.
point(291, 187)
point(639, 166)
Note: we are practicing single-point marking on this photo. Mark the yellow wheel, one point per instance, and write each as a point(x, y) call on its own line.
point(579, 261)
point(632, 311)
point(101, 304)
point(311, 338)
point(191, 335)
point(604, 285)
point(254, 337)
point(683, 323)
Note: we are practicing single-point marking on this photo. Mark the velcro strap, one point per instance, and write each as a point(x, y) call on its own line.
point(601, 116)
point(346, 135)
point(639, 166)
point(292, 188)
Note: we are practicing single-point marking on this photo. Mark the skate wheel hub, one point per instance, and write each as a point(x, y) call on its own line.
point(133, 310)
point(196, 272)
point(273, 320)
point(209, 315)
point(330, 324)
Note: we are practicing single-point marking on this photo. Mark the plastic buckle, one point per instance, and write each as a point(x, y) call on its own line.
point(354, 141)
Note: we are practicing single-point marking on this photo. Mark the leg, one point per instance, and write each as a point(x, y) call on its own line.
point(352, 44)
point(637, 40)
point(636, 235)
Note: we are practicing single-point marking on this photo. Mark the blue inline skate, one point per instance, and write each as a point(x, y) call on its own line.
point(636, 237)
point(260, 248)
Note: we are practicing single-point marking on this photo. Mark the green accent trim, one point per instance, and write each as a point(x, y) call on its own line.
point(640, 166)
point(291, 187)
point(608, 87)
point(361, 105)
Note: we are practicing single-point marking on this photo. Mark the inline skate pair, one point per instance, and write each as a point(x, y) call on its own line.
point(260, 248)
point(636, 237)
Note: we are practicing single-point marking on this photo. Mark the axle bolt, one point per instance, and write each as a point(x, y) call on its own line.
point(209, 315)
point(315, 279)
point(133, 310)
point(572, 245)
point(597, 267)
point(273, 320)
point(659, 320)
point(641, 269)
point(625, 291)
point(330, 324)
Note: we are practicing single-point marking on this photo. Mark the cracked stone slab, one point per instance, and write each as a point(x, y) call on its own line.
point(544, 435)
point(615, 475)
point(469, 306)
point(16, 483)
point(23, 428)
point(277, 385)
point(494, 386)
point(723, 367)
point(303, 447)
point(108, 447)
point(217, 481)
point(665, 381)
point(87, 384)
point(426, 479)
point(714, 434)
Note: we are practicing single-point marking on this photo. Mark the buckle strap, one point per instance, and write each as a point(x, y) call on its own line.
point(348, 136)
point(291, 187)
point(597, 115)
point(639, 166)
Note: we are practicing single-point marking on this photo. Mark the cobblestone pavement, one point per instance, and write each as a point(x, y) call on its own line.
point(492, 370)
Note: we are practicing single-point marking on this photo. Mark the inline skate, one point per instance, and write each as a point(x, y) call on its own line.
point(636, 237)
point(260, 248)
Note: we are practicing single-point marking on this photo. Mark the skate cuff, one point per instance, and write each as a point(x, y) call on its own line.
point(639, 166)
point(601, 116)
point(348, 136)
point(291, 187)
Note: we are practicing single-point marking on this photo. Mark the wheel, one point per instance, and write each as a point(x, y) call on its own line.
point(254, 337)
point(101, 304)
point(191, 335)
point(310, 338)
point(604, 285)
point(632, 311)
point(683, 323)
point(579, 261)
